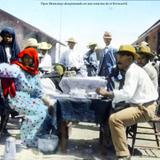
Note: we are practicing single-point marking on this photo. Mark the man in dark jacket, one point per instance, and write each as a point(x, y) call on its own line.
point(107, 64)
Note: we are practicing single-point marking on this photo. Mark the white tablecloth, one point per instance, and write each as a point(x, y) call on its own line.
point(81, 84)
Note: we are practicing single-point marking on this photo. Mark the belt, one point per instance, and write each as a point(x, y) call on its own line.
point(148, 103)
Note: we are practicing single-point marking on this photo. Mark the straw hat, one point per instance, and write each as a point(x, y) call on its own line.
point(71, 40)
point(107, 35)
point(45, 46)
point(128, 48)
point(143, 49)
point(31, 42)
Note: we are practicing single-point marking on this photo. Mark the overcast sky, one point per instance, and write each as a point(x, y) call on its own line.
point(87, 20)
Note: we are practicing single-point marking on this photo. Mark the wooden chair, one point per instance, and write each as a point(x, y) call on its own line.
point(134, 130)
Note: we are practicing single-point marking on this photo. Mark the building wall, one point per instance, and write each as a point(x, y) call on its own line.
point(24, 32)
point(152, 39)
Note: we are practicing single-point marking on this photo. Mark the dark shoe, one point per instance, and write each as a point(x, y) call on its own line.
point(124, 158)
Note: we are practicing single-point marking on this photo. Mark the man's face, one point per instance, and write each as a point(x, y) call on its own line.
point(141, 60)
point(43, 51)
point(123, 61)
point(107, 41)
point(8, 38)
point(71, 45)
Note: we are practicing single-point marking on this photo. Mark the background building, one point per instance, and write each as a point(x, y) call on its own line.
point(24, 30)
point(152, 37)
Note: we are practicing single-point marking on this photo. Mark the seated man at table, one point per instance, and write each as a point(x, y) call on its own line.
point(140, 94)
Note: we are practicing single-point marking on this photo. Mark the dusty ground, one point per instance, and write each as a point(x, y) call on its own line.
point(83, 145)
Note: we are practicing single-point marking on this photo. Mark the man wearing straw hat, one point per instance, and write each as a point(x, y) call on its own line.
point(145, 55)
point(138, 92)
point(70, 59)
point(90, 59)
point(45, 57)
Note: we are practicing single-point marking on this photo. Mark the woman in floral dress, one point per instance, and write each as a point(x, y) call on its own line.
point(24, 93)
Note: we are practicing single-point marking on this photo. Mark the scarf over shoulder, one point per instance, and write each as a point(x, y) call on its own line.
point(8, 84)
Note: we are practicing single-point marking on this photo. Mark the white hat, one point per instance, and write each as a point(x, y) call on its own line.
point(31, 42)
point(71, 40)
point(45, 46)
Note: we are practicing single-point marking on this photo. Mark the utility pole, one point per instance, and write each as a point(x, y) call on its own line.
point(60, 32)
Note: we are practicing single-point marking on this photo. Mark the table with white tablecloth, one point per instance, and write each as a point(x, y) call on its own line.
point(81, 84)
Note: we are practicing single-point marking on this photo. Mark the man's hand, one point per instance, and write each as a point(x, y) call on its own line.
point(101, 91)
point(104, 92)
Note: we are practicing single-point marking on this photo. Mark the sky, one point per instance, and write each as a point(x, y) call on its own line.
point(86, 20)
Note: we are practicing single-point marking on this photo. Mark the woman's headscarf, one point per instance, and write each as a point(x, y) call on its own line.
point(31, 52)
point(14, 46)
point(8, 84)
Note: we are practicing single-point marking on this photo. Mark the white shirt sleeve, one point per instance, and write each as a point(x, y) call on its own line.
point(151, 71)
point(46, 62)
point(62, 58)
point(8, 52)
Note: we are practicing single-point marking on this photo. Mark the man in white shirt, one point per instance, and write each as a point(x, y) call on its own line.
point(143, 60)
point(68, 58)
point(138, 91)
point(45, 58)
point(71, 60)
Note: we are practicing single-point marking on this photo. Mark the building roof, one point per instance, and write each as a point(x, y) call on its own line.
point(150, 29)
point(140, 38)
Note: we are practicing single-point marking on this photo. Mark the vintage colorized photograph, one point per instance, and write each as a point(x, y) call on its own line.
point(80, 80)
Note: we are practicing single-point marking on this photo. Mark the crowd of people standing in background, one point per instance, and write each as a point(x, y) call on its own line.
point(25, 92)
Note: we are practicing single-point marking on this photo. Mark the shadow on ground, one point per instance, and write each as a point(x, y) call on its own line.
point(89, 150)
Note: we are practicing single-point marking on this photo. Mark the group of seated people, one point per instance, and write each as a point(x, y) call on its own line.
point(24, 89)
